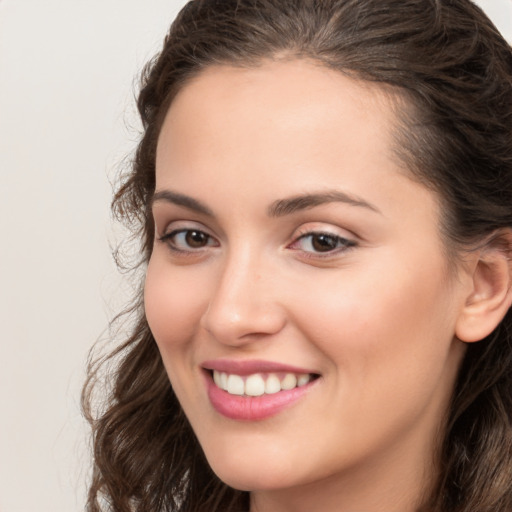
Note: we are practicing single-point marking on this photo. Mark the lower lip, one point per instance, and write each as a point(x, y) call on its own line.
point(253, 408)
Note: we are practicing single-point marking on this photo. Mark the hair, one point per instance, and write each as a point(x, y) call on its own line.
point(454, 70)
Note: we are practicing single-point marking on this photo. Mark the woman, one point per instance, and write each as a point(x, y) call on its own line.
point(324, 196)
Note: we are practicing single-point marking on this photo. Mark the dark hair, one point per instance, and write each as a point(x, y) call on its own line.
point(454, 70)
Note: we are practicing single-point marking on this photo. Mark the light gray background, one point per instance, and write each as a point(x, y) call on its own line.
point(67, 120)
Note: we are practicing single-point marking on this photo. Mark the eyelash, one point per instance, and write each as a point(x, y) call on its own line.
point(170, 240)
point(342, 244)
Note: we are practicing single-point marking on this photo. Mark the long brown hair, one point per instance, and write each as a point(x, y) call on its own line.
point(454, 70)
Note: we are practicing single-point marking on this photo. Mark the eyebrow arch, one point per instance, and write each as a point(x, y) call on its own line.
point(283, 207)
point(176, 198)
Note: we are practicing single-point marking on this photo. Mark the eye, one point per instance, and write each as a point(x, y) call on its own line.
point(188, 240)
point(317, 243)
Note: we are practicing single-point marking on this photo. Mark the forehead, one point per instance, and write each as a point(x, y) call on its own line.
point(293, 126)
point(286, 78)
point(289, 102)
point(298, 92)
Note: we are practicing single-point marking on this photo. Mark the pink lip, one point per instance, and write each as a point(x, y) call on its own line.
point(253, 366)
point(252, 408)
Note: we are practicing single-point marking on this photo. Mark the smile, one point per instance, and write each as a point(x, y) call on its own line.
point(255, 390)
point(259, 384)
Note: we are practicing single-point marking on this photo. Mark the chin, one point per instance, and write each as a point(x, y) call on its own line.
point(250, 480)
point(244, 474)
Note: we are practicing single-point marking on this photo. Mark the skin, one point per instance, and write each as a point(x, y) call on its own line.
point(375, 320)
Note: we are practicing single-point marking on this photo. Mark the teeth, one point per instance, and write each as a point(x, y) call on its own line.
point(255, 385)
point(289, 382)
point(258, 384)
point(272, 385)
point(235, 385)
point(303, 380)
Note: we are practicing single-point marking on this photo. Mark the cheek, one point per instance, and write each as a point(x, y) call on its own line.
point(389, 346)
point(382, 321)
point(173, 307)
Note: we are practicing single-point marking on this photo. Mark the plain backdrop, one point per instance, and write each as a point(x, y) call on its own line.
point(68, 73)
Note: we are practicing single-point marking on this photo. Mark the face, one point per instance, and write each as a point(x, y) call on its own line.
point(298, 288)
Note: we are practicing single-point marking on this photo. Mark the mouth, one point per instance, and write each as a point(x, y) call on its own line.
point(255, 390)
point(258, 384)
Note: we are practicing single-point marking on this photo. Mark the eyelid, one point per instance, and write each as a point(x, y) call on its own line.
point(173, 225)
point(317, 228)
point(349, 242)
point(173, 229)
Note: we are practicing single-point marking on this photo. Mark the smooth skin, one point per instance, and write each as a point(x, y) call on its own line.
point(357, 288)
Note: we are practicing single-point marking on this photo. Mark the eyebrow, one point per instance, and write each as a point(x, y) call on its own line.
point(283, 207)
point(181, 200)
point(279, 208)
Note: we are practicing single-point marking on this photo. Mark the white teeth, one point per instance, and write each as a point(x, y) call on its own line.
point(258, 384)
point(303, 380)
point(235, 385)
point(255, 385)
point(272, 384)
point(224, 381)
point(289, 381)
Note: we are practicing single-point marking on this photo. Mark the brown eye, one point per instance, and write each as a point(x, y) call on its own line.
point(188, 240)
point(318, 243)
point(196, 239)
point(324, 243)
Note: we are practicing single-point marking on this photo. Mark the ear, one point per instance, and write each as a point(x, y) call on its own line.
point(491, 295)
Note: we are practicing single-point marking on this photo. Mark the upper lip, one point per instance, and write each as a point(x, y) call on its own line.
point(248, 367)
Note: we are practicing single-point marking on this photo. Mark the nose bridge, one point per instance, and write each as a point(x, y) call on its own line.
point(243, 303)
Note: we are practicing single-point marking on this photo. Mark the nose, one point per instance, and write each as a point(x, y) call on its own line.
point(244, 306)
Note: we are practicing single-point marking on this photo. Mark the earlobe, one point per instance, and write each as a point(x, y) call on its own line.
point(491, 294)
